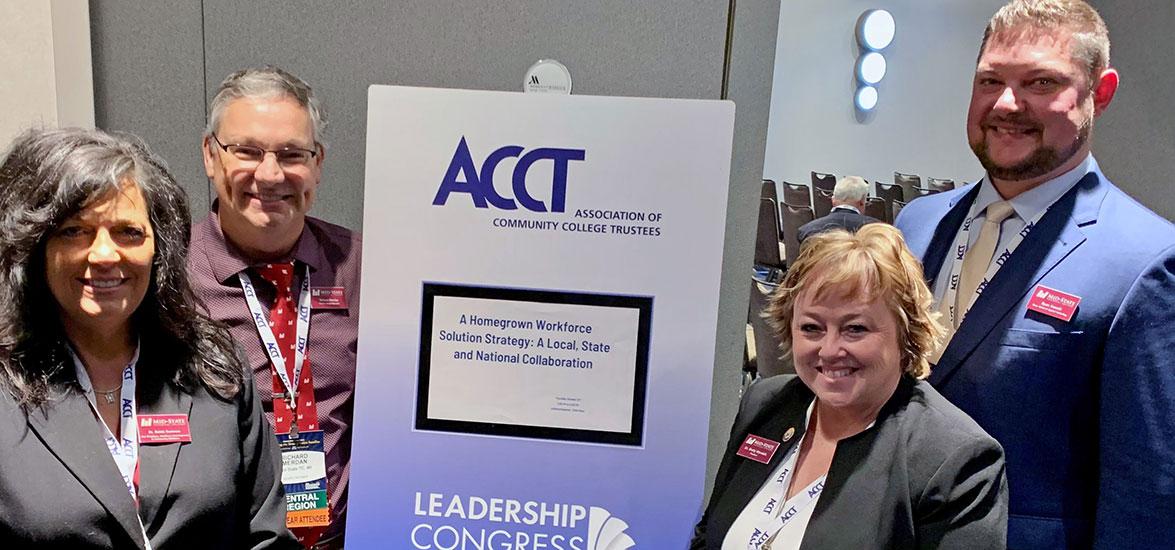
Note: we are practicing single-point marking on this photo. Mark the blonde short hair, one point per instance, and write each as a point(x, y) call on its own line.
point(1031, 18)
point(872, 263)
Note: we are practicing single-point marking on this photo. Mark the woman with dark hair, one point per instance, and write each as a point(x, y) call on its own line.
point(126, 420)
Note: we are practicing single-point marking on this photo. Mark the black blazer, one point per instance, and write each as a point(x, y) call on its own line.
point(59, 487)
point(842, 218)
point(924, 476)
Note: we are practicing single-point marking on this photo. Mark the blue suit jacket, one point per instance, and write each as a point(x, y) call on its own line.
point(1085, 409)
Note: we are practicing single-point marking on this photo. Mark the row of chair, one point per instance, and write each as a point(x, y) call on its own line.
point(777, 242)
point(884, 204)
point(911, 184)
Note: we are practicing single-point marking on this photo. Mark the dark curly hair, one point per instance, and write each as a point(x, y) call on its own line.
point(46, 177)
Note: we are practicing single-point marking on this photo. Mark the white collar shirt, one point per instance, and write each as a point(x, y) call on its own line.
point(1026, 206)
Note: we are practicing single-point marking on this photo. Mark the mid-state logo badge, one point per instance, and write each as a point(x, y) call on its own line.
point(463, 176)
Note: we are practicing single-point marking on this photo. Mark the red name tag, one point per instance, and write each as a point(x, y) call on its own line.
point(759, 449)
point(328, 297)
point(1053, 303)
point(164, 428)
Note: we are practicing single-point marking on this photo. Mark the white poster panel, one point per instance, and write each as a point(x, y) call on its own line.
point(554, 365)
point(539, 304)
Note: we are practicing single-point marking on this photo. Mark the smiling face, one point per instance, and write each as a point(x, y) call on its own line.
point(1032, 108)
point(263, 205)
point(846, 349)
point(98, 262)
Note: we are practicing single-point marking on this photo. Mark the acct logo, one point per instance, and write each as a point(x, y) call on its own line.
point(463, 176)
point(456, 522)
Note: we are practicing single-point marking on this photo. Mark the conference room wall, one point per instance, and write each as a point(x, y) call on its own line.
point(918, 125)
point(156, 64)
point(1135, 140)
point(46, 66)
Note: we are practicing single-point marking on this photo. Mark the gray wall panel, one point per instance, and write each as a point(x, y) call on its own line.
point(1135, 140)
point(612, 48)
point(752, 60)
point(149, 80)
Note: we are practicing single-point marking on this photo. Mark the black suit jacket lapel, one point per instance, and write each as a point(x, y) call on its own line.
point(772, 422)
point(1053, 238)
point(157, 461)
point(849, 459)
point(68, 428)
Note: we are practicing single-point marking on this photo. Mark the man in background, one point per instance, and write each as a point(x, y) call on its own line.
point(848, 200)
point(270, 272)
point(1059, 292)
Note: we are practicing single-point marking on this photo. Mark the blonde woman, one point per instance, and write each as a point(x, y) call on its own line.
point(855, 451)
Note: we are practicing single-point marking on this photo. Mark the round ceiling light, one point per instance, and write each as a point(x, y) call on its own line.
point(871, 68)
point(866, 98)
point(875, 29)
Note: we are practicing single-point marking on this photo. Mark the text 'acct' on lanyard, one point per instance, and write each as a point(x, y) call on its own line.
point(950, 296)
point(125, 452)
point(267, 338)
point(771, 524)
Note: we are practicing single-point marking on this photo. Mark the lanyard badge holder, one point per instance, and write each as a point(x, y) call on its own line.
point(303, 451)
point(125, 452)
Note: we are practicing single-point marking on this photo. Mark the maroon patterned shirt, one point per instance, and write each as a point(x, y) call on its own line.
point(332, 253)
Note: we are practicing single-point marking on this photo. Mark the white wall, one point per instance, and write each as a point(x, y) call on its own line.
point(918, 125)
point(1135, 140)
point(45, 61)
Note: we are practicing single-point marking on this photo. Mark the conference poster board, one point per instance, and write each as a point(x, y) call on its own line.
point(539, 305)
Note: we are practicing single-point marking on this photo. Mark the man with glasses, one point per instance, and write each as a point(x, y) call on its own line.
point(270, 272)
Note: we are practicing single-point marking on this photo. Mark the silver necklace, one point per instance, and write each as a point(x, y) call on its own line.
point(108, 396)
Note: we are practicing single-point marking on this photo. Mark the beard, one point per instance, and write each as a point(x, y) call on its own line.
point(1041, 162)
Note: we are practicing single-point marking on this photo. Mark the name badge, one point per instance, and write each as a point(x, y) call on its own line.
point(1053, 302)
point(328, 297)
point(304, 478)
point(164, 428)
point(759, 449)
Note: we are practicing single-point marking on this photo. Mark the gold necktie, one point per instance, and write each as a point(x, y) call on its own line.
point(975, 264)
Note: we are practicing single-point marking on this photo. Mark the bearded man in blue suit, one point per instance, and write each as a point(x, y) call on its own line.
point(1063, 312)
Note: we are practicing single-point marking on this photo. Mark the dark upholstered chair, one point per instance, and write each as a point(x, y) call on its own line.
point(797, 194)
point(908, 183)
point(821, 202)
point(793, 218)
point(940, 185)
point(823, 181)
point(878, 208)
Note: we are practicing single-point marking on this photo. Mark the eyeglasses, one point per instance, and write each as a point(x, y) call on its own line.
point(250, 155)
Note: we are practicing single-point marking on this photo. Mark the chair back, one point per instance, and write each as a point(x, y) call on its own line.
point(768, 191)
point(890, 193)
point(897, 208)
point(908, 182)
point(940, 185)
point(823, 181)
point(877, 207)
point(793, 218)
point(767, 235)
point(821, 202)
point(797, 194)
point(769, 359)
point(923, 191)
